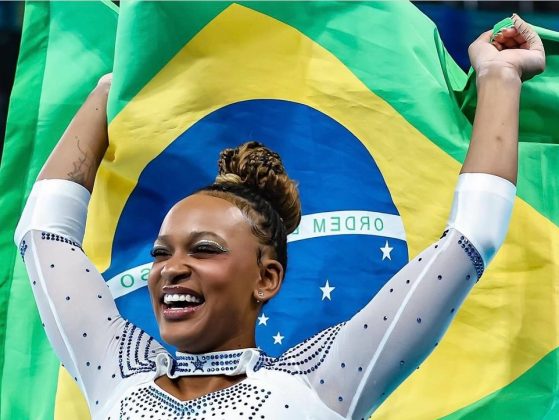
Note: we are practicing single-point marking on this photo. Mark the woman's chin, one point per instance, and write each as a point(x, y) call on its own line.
point(183, 339)
point(204, 330)
point(182, 329)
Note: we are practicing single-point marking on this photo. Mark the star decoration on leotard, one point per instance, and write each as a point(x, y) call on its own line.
point(386, 250)
point(278, 338)
point(263, 319)
point(326, 290)
point(198, 364)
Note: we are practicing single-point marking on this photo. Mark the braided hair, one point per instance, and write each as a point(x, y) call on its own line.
point(253, 178)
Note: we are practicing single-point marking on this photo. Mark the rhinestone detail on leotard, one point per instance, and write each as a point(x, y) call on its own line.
point(473, 254)
point(58, 238)
point(217, 363)
point(22, 249)
point(150, 402)
point(135, 353)
point(305, 357)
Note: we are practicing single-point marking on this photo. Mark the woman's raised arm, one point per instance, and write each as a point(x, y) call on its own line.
point(485, 192)
point(78, 153)
point(76, 157)
point(355, 365)
point(516, 54)
point(102, 352)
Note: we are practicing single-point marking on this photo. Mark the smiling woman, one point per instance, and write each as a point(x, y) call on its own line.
point(221, 254)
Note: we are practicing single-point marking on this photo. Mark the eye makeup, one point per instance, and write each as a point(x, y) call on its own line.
point(157, 251)
point(209, 245)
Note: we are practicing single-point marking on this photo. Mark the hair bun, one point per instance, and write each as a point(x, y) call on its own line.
point(259, 168)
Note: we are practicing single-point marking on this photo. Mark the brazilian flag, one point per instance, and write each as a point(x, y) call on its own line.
point(371, 116)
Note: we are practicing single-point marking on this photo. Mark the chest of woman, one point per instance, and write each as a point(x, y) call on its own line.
point(263, 395)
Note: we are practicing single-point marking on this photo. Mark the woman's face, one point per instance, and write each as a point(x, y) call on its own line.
point(204, 276)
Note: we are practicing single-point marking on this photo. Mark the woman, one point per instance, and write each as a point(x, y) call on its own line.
point(221, 254)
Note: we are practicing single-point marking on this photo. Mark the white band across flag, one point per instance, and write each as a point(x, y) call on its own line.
point(348, 222)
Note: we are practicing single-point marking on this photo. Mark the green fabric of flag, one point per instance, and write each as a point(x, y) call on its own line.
point(65, 46)
point(506, 334)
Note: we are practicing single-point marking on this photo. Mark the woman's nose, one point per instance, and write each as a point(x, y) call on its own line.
point(175, 270)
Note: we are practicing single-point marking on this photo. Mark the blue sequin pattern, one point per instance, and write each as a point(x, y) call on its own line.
point(22, 249)
point(150, 402)
point(134, 351)
point(58, 238)
point(473, 254)
point(219, 363)
point(305, 357)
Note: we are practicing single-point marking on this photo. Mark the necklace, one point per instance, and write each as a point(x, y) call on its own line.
point(230, 363)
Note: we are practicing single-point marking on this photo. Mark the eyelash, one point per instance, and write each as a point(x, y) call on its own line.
point(210, 247)
point(203, 247)
point(157, 252)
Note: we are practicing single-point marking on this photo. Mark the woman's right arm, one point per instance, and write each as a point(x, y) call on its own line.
point(61, 193)
point(80, 317)
point(78, 154)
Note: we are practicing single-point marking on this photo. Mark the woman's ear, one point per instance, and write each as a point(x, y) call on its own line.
point(271, 277)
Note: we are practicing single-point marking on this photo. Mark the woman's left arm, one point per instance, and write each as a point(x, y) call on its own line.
point(515, 55)
point(354, 366)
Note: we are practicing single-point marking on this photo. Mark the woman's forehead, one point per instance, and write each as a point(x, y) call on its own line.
point(205, 213)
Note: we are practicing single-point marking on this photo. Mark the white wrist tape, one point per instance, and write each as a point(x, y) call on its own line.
point(481, 210)
point(57, 206)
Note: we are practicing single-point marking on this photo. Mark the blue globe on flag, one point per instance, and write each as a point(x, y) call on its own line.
point(351, 239)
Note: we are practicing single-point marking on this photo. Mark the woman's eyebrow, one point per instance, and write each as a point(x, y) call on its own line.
point(194, 236)
point(162, 239)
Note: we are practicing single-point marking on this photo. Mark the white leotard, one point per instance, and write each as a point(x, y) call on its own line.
point(344, 372)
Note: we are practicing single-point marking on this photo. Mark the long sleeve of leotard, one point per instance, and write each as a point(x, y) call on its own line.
point(355, 365)
point(76, 307)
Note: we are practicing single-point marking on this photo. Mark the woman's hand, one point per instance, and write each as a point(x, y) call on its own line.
point(105, 83)
point(519, 49)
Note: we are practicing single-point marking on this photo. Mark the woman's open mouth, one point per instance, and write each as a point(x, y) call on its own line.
point(177, 306)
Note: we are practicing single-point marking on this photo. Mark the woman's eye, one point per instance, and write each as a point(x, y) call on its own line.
point(158, 252)
point(208, 248)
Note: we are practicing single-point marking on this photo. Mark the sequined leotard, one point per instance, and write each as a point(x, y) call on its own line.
point(344, 372)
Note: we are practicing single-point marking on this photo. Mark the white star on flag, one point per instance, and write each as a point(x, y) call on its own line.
point(278, 338)
point(262, 319)
point(386, 251)
point(326, 290)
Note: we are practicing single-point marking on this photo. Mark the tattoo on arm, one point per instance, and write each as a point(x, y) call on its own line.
point(83, 168)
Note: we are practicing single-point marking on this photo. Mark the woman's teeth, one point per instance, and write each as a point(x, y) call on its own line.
point(168, 298)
